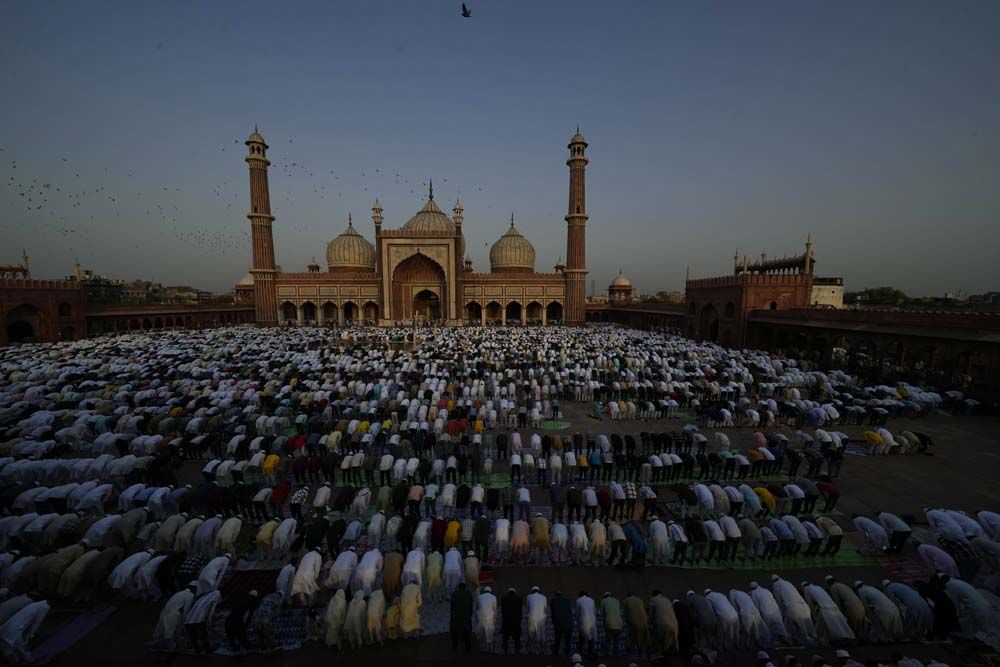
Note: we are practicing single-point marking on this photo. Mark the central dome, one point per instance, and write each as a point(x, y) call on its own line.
point(430, 219)
point(512, 253)
point(350, 251)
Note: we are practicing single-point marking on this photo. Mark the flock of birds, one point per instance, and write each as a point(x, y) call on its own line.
point(80, 207)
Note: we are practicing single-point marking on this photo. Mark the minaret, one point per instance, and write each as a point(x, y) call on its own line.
point(24, 262)
point(76, 270)
point(263, 269)
point(377, 219)
point(576, 238)
point(458, 216)
point(809, 254)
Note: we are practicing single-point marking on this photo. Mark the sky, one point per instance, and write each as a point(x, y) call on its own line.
point(714, 128)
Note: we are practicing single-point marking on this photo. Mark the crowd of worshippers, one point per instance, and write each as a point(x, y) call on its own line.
point(101, 423)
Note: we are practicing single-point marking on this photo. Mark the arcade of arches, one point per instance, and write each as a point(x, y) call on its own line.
point(513, 311)
point(327, 313)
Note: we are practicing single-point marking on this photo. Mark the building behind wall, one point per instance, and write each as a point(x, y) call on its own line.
point(717, 309)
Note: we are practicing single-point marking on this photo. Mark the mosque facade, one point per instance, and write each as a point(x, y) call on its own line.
point(419, 271)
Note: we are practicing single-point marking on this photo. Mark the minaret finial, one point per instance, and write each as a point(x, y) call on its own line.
point(255, 127)
point(350, 223)
point(430, 194)
point(578, 128)
point(512, 219)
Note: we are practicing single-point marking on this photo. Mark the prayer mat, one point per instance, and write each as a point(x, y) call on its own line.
point(553, 425)
point(68, 634)
point(906, 569)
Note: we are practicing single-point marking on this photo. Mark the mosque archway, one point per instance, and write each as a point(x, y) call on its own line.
point(708, 327)
point(513, 312)
point(554, 313)
point(473, 312)
point(413, 276)
point(371, 312)
point(350, 311)
point(309, 312)
point(534, 313)
point(426, 306)
point(23, 324)
point(329, 312)
point(494, 312)
point(289, 313)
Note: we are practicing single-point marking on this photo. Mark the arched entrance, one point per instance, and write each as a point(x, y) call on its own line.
point(23, 324)
point(513, 312)
point(474, 312)
point(534, 313)
point(329, 312)
point(371, 312)
point(413, 277)
point(554, 313)
point(426, 306)
point(309, 312)
point(709, 323)
point(494, 311)
point(288, 312)
point(350, 311)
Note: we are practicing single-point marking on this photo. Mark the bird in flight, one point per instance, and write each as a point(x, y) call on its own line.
point(465, 11)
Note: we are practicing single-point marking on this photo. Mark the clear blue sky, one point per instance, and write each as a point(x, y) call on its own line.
point(712, 126)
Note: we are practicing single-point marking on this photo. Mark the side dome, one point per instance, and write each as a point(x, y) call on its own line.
point(621, 281)
point(246, 281)
point(350, 252)
point(430, 219)
point(512, 253)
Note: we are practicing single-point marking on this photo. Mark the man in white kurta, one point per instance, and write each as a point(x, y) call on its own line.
point(17, 632)
point(305, 584)
point(586, 620)
point(413, 568)
point(754, 630)
point(335, 617)
point(342, 569)
point(728, 620)
point(486, 617)
point(367, 572)
point(211, 575)
point(284, 535)
point(172, 616)
point(356, 622)
point(831, 624)
point(795, 610)
point(123, 573)
point(887, 623)
point(537, 605)
point(453, 570)
point(229, 532)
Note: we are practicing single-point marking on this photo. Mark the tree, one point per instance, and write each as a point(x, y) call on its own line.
point(877, 296)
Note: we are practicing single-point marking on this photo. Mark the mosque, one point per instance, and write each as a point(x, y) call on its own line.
point(418, 272)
